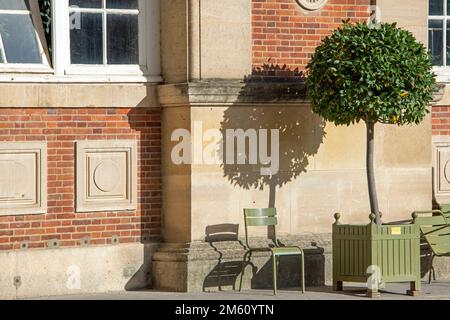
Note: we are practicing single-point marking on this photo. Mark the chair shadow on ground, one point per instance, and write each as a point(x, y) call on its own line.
point(225, 273)
point(425, 258)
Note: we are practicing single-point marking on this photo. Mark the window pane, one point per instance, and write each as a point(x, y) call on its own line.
point(14, 4)
point(436, 8)
point(448, 43)
point(123, 47)
point(86, 40)
point(435, 39)
point(19, 39)
point(86, 3)
point(122, 4)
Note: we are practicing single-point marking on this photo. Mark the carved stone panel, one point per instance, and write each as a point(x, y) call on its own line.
point(311, 4)
point(441, 159)
point(106, 175)
point(23, 178)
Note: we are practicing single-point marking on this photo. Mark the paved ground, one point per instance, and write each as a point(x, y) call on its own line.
point(439, 290)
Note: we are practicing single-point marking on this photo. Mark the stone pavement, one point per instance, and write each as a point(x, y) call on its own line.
point(438, 290)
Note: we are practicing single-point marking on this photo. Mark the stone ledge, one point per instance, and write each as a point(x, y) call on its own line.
point(207, 251)
point(46, 272)
point(210, 93)
point(219, 92)
point(77, 95)
point(217, 248)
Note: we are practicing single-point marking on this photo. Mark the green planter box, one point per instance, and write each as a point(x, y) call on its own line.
point(373, 254)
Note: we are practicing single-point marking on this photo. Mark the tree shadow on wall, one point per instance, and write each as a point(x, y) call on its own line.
point(301, 132)
point(269, 72)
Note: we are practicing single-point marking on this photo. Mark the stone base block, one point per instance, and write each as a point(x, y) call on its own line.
point(203, 266)
point(441, 266)
point(75, 271)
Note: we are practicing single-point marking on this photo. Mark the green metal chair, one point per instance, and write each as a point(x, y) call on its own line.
point(435, 229)
point(445, 208)
point(268, 218)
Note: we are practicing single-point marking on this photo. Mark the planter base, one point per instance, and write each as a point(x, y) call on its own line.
point(373, 294)
point(413, 293)
point(377, 255)
point(338, 286)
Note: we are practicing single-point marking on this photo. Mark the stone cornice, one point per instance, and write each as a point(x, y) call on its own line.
point(210, 93)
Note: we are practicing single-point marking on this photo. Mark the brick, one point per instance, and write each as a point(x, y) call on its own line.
point(280, 31)
point(61, 128)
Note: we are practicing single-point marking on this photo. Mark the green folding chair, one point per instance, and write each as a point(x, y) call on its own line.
point(435, 228)
point(445, 209)
point(268, 218)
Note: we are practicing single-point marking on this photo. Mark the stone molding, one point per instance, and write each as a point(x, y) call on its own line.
point(273, 92)
point(78, 95)
point(211, 93)
point(312, 5)
point(106, 175)
point(23, 178)
point(441, 168)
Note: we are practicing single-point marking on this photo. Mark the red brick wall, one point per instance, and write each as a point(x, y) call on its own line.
point(61, 128)
point(284, 35)
point(441, 121)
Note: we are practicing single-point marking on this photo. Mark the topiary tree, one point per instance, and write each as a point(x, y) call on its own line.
point(376, 73)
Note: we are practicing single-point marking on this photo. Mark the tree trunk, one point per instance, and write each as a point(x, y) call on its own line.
point(371, 172)
point(272, 195)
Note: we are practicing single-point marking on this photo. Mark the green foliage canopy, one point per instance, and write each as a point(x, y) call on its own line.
point(371, 72)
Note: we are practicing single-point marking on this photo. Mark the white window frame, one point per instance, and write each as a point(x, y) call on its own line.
point(444, 18)
point(442, 72)
point(43, 67)
point(148, 70)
